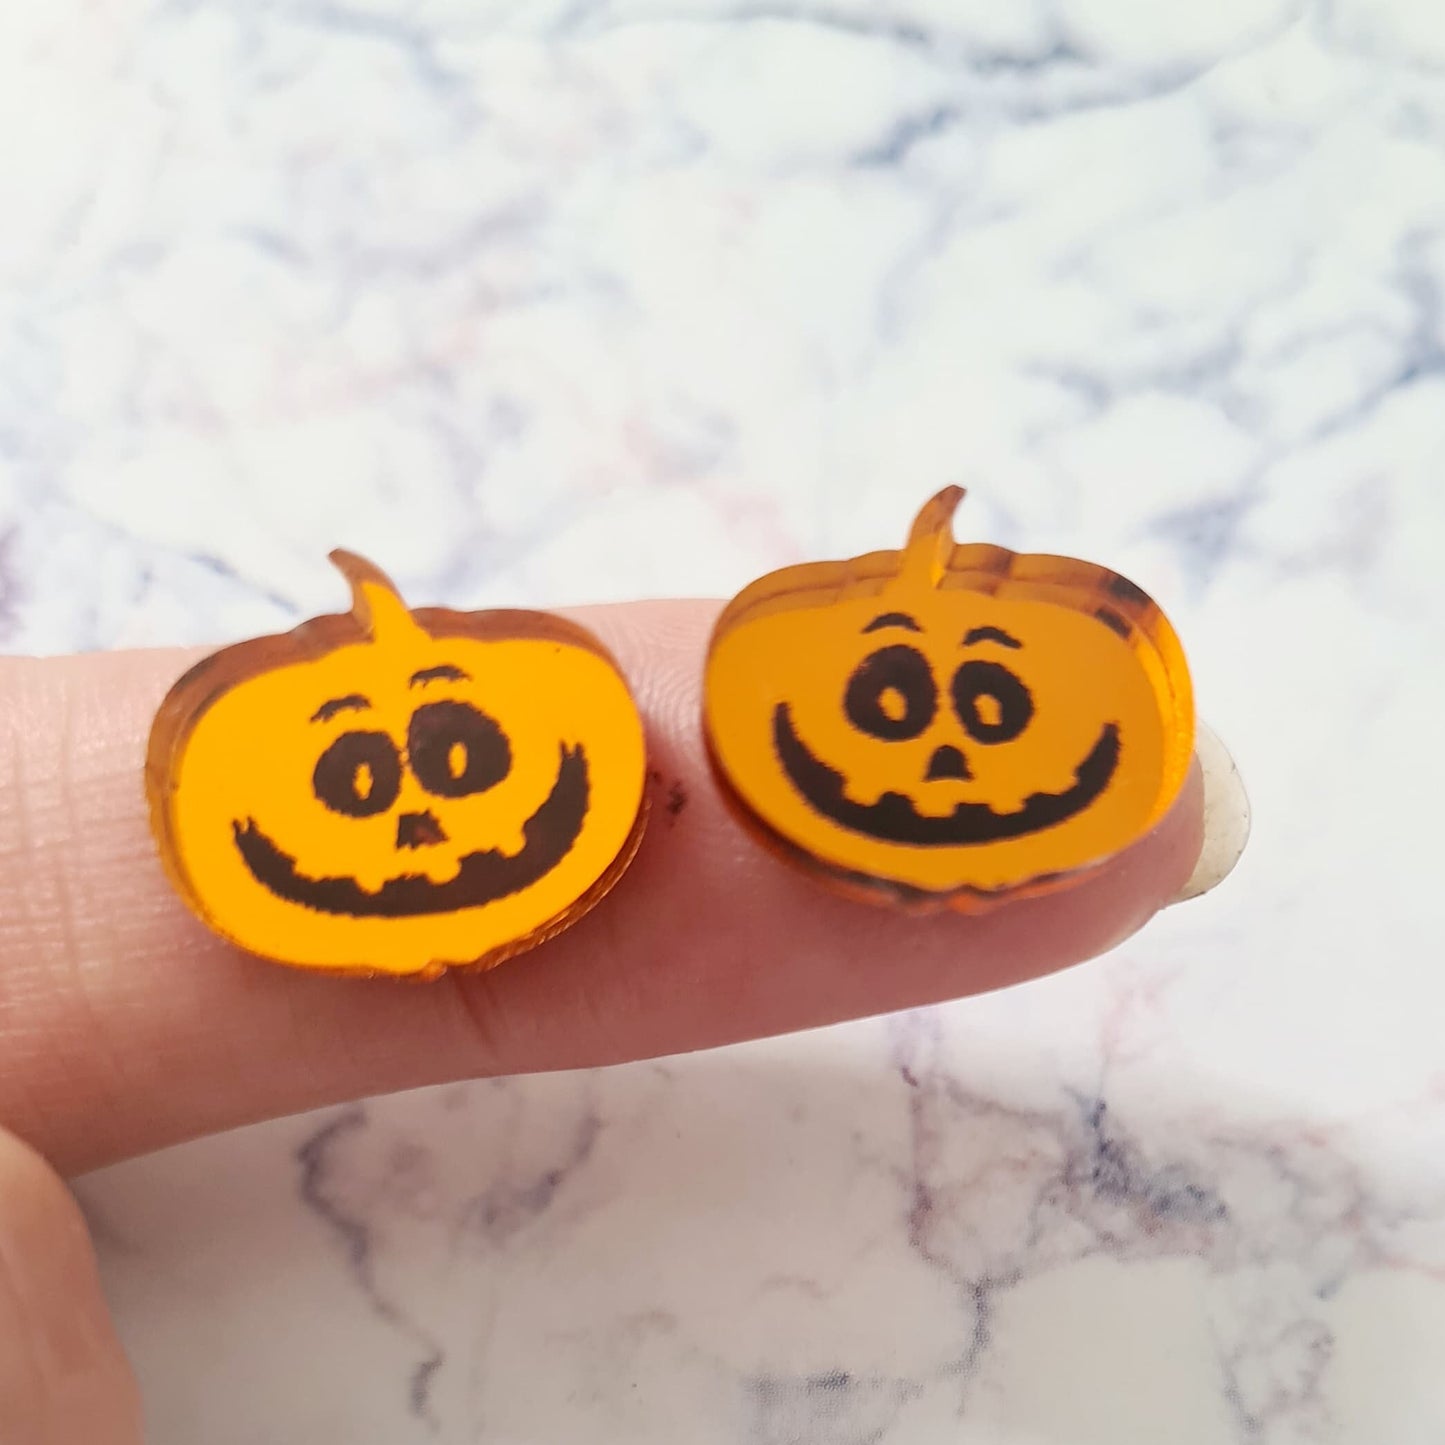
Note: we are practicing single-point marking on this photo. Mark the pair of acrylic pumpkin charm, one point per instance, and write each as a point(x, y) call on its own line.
point(949, 725)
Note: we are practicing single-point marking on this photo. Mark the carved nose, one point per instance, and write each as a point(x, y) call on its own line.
point(947, 762)
point(419, 830)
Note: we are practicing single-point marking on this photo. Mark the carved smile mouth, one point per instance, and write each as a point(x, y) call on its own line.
point(893, 818)
point(483, 877)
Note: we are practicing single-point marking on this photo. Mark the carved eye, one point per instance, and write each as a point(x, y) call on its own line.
point(456, 749)
point(359, 775)
point(993, 705)
point(892, 694)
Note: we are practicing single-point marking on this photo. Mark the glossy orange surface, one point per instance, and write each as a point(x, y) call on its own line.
point(396, 792)
point(948, 724)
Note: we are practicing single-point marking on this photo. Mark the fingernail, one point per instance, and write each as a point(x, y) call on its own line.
point(1226, 816)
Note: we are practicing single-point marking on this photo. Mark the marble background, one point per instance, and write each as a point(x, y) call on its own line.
point(557, 300)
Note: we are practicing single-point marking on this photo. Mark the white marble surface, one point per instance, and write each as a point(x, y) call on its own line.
point(552, 301)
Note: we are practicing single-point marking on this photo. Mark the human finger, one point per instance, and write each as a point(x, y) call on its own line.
point(125, 1025)
point(63, 1375)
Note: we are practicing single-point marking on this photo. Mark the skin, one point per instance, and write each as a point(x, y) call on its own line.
point(126, 1026)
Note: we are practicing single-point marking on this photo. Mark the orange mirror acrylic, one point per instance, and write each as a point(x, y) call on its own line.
point(947, 725)
point(395, 792)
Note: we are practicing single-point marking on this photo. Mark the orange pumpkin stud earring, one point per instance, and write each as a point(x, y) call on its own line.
point(395, 792)
point(949, 724)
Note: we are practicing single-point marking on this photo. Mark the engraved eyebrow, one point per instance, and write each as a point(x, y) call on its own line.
point(352, 702)
point(990, 634)
point(893, 619)
point(442, 672)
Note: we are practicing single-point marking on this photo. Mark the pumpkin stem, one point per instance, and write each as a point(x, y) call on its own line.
point(375, 602)
point(930, 540)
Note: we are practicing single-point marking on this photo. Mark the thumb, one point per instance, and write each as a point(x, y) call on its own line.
point(63, 1375)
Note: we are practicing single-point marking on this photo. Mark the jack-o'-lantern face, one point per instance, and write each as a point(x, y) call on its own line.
point(396, 792)
point(948, 723)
